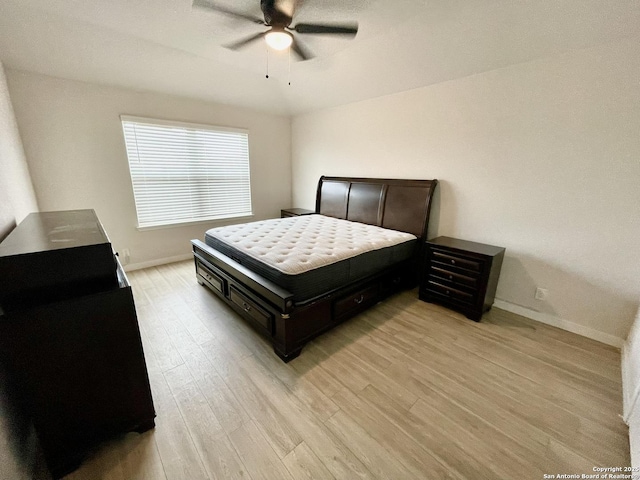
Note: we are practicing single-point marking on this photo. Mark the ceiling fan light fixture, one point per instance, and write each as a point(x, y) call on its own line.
point(278, 39)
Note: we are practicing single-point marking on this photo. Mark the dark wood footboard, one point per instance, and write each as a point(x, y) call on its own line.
point(271, 310)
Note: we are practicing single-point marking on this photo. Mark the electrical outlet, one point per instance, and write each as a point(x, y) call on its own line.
point(126, 256)
point(541, 293)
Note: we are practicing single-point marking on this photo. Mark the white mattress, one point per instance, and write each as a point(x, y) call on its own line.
point(297, 245)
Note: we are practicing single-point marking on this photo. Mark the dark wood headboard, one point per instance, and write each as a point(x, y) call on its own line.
point(402, 205)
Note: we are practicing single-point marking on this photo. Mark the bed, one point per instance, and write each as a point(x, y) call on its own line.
point(269, 271)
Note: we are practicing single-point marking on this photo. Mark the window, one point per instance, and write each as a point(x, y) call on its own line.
point(186, 173)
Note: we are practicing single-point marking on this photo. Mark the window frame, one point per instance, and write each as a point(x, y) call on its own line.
point(193, 126)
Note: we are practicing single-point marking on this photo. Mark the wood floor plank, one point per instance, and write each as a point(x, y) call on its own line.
point(344, 337)
point(210, 439)
point(307, 367)
point(310, 395)
point(336, 456)
point(224, 404)
point(539, 412)
point(386, 345)
point(547, 334)
point(173, 439)
point(277, 427)
point(555, 392)
point(554, 389)
point(465, 459)
point(199, 332)
point(193, 405)
point(552, 350)
point(166, 355)
point(140, 458)
point(583, 363)
point(394, 439)
point(374, 456)
point(507, 457)
point(158, 281)
point(422, 379)
point(519, 360)
point(537, 369)
point(369, 372)
point(353, 379)
point(256, 453)
point(302, 463)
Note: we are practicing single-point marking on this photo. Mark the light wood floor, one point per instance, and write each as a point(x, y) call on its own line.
point(406, 390)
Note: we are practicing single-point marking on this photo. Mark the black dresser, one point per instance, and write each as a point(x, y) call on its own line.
point(461, 275)
point(69, 336)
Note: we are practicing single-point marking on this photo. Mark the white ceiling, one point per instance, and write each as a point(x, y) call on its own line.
point(166, 46)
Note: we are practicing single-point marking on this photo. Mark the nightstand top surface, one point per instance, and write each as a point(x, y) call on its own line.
point(467, 246)
point(298, 211)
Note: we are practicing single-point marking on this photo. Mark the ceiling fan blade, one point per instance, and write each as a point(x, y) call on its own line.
point(208, 5)
point(299, 50)
point(245, 41)
point(351, 29)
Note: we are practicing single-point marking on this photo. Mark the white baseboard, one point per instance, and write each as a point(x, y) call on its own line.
point(561, 323)
point(627, 384)
point(154, 263)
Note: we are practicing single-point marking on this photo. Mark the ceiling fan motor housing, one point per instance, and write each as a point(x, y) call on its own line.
point(272, 16)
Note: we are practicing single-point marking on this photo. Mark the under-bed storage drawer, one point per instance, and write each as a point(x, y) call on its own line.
point(252, 309)
point(210, 277)
point(356, 301)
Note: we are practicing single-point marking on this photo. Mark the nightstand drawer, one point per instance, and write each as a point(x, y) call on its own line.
point(451, 259)
point(450, 293)
point(454, 279)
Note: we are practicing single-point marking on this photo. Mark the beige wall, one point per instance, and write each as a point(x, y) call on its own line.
point(542, 158)
point(17, 198)
point(16, 201)
point(73, 139)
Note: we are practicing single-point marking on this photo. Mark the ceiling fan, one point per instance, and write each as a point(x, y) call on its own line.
point(280, 33)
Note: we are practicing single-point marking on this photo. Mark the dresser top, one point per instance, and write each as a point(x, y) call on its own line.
point(466, 246)
point(45, 231)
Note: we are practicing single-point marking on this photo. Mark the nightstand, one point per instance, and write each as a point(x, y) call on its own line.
point(295, 212)
point(461, 275)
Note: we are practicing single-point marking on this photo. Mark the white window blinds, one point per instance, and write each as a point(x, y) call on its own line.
point(185, 173)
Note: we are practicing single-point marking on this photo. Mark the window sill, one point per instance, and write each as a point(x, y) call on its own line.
point(193, 222)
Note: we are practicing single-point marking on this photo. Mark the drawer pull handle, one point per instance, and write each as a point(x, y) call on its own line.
point(247, 307)
point(451, 277)
point(359, 300)
point(448, 292)
point(453, 262)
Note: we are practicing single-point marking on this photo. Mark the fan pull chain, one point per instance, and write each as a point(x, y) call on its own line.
point(289, 66)
point(267, 62)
